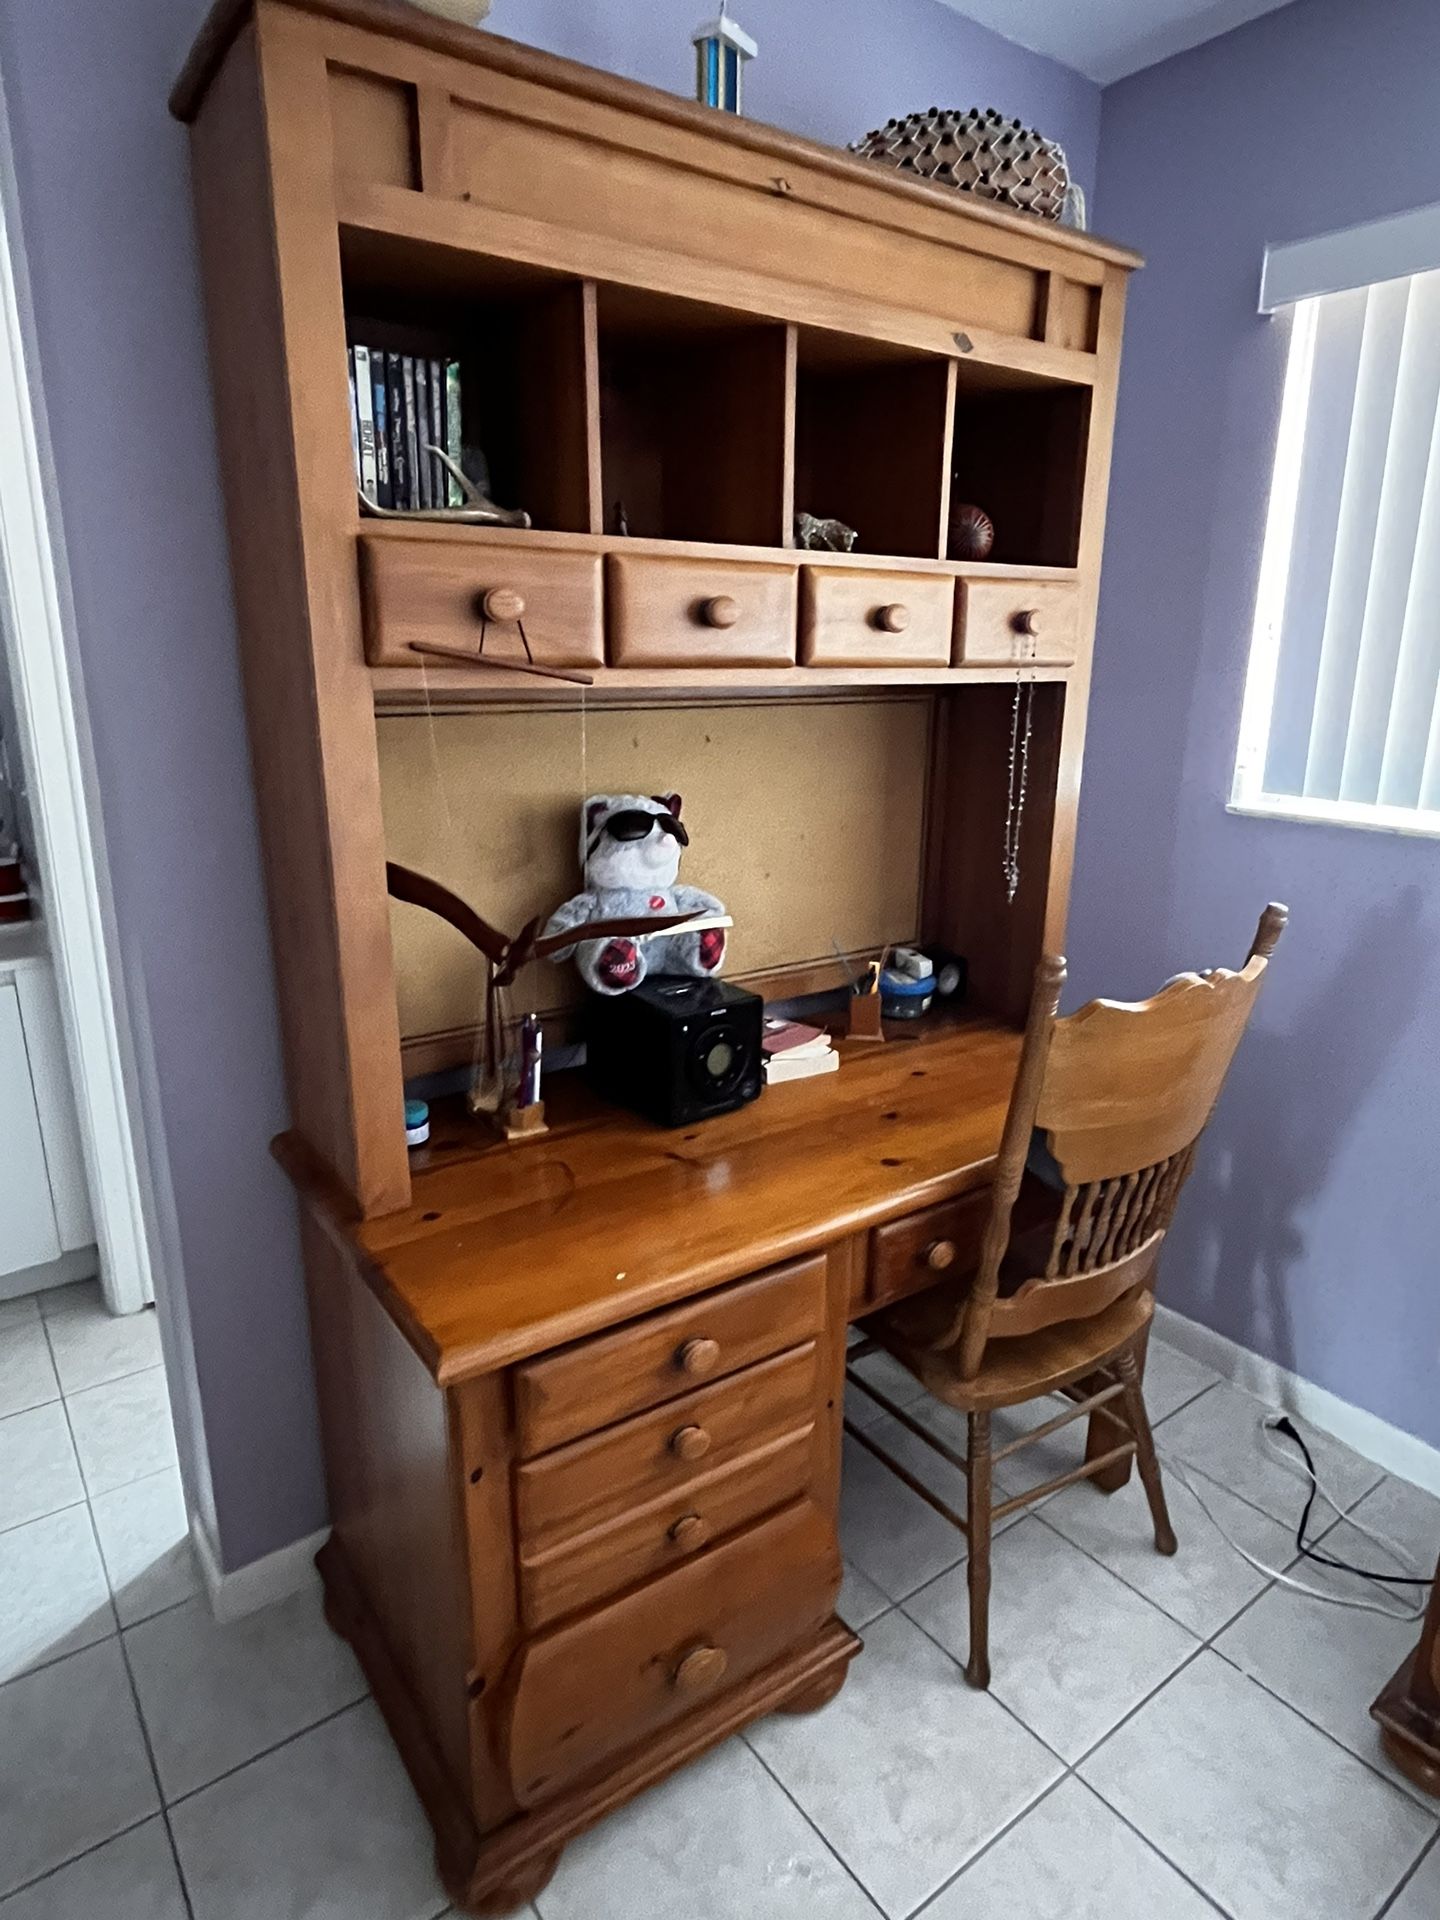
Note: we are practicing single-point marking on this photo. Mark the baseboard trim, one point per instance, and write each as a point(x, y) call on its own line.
point(1374, 1439)
point(260, 1583)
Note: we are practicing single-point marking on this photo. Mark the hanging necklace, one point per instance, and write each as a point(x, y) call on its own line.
point(1022, 714)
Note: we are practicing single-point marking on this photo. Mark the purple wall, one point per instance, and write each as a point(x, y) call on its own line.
point(1309, 1232)
point(105, 204)
point(831, 69)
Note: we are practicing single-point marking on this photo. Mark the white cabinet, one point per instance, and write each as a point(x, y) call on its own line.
point(29, 1231)
point(44, 1206)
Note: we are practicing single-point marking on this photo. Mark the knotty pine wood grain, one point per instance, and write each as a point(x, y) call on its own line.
point(510, 1251)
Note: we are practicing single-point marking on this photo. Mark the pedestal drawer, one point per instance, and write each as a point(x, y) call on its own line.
point(665, 1533)
point(926, 1249)
point(1010, 622)
point(453, 592)
point(589, 1691)
point(700, 613)
point(590, 1384)
point(854, 619)
point(662, 1453)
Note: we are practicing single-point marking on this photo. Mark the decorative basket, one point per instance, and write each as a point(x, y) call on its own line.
point(976, 152)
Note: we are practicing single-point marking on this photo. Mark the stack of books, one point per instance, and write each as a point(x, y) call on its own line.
point(795, 1052)
point(400, 404)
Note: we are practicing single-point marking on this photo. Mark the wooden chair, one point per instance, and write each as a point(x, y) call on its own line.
point(1064, 1292)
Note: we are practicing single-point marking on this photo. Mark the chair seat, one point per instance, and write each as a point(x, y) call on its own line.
point(1014, 1371)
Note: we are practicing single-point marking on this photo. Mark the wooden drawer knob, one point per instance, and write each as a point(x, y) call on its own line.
point(1027, 621)
point(690, 1531)
point(502, 603)
point(722, 611)
point(939, 1255)
point(701, 1667)
point(892, 619)
point(690, 1443)
point(698, 1356)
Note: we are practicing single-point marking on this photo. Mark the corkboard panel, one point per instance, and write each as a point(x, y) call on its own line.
point(806, 819)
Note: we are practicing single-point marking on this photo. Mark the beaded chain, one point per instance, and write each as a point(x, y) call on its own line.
point(1022, 714)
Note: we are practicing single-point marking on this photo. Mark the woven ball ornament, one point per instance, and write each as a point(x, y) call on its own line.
point(976, 152)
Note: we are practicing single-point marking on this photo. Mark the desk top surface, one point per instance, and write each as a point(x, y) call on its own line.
point(509, 1249)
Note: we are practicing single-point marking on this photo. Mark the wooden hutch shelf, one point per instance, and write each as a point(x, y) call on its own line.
point(674, 331)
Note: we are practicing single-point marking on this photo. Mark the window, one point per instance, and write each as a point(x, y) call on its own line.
point(1342, 702)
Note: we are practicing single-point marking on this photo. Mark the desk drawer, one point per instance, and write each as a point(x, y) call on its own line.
point(612, 1680)
point(437, 592)
point(924, 1249)
point(662, 1453)
point(593, 1383)
point(854, 619)
point(665, 1533)
point(1004, 623)
point(700, 613)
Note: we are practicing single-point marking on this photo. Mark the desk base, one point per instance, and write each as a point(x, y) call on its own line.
point(495, 1873)
point(1409, 1730)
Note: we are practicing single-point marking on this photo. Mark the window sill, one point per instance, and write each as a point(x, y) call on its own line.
point(1339, 813)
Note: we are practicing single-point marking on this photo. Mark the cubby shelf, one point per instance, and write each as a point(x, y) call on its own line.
point(602, 408)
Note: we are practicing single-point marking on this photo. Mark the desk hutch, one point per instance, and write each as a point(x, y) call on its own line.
point(582, 1394)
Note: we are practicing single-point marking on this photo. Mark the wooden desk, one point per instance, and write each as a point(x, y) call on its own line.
point(582, 1409)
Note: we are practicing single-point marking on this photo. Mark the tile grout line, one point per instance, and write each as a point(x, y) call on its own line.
point(918, 1913)
point(1410, 1874)
point(1300, 1714)
point(26, 1886)
point(159, 1787)
point(1159, 1852)
point(821, 1836)
point(264, 1753)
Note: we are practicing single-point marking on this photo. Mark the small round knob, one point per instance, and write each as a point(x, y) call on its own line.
point(892, 619)
point(701, 1667)
point(939, 1255)
point(502, 603)
point(1027, 621)
point(690, 1443)
point(722, 611)
point(690, 1531)
point(698, 1356)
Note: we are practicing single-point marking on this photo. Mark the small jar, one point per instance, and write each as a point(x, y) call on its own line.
point(902, 998)
point(417, 1123)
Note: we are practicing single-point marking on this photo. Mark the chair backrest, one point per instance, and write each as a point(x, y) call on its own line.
point(1121, 1093)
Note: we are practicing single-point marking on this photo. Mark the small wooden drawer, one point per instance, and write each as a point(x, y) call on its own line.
point(925, 1249)
point(700, 613)
point(665, 1533)
point(593, 1383)
point(854, 619)
point(446, 593)
point(615, 1678)
point(661, 1453)
point(1010, 622)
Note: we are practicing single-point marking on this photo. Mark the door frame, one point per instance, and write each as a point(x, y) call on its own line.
point(39, 640)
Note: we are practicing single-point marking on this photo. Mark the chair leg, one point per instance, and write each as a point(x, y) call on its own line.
point(1134, 1402)
point(978, 1505)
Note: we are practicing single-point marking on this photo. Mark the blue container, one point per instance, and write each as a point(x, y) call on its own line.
point(902, 998)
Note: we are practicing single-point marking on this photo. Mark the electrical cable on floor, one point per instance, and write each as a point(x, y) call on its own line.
point(1269, 1425)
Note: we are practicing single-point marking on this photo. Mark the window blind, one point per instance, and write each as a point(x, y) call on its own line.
point(1347, 644)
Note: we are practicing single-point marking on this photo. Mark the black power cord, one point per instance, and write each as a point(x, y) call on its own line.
point(1287, 1426)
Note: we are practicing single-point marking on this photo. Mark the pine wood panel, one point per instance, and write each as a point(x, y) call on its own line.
point(656, 1538)
point(849, 618)
point(586, 1386)
point(417, 593)
point(664, 1451)
point(591, 1690)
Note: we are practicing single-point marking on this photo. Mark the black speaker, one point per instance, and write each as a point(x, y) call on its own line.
point(676, 1049)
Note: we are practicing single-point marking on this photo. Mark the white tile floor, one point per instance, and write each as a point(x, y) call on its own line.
point(1164, 1740)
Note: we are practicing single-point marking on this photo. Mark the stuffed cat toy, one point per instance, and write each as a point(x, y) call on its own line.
point(630, 856)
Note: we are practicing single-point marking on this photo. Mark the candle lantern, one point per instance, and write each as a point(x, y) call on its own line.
point(721, 51)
